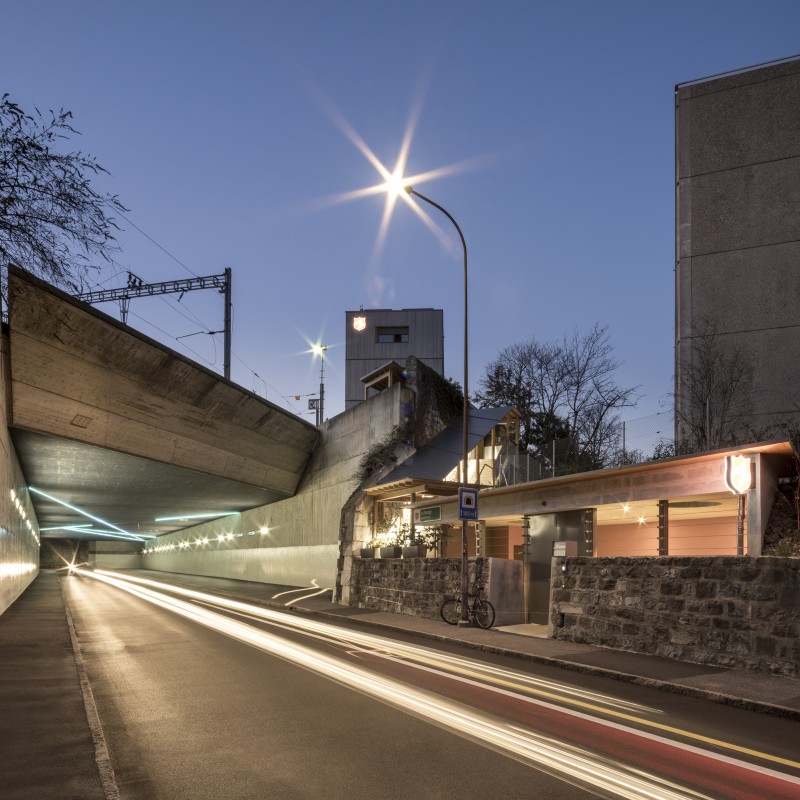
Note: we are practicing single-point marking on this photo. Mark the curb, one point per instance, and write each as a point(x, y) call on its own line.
point(101, 756)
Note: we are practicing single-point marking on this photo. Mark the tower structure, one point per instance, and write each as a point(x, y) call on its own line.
point(377, 337)
point(738, 254)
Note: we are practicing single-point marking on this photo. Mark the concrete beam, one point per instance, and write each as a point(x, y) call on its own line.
point(77, 373)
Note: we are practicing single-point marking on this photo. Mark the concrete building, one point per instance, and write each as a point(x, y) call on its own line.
point(738, 251)
point(378, 336)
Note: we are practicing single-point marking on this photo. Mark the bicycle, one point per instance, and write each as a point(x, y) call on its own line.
point(480, 611)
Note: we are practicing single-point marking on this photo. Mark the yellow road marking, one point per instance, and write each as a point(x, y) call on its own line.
point(611, 712)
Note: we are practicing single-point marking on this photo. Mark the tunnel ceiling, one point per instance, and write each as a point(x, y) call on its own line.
point(127, 491)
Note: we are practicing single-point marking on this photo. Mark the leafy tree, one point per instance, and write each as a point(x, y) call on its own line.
point(564, 391)
point(52, 221)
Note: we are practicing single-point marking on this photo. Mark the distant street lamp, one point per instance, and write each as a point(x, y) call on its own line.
point(318, 350)
point(465, 437)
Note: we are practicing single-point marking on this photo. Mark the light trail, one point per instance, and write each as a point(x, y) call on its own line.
point(471, 670)
point(475, 673)
point(566, 762)
point(373, 644)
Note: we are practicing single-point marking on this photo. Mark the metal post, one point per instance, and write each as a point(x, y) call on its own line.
point(624, 460)
point(226, 361)
point(663, 527)
point(465, 432)
point(740, 526)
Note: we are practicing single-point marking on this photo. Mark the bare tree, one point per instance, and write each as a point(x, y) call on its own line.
point(713, 392)
point(563, 391)
point(52, 221)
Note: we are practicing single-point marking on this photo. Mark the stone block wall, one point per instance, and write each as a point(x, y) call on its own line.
point(414, 586)
point(733, 612)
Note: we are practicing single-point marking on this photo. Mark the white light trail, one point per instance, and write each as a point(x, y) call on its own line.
point(572, 764)
point(471, 671)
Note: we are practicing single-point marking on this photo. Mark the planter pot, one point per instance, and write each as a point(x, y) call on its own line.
point(367, 552)
point(415, 551)
point(390, 552)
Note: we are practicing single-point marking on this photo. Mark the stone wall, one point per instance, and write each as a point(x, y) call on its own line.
point(417, 586)
point(733, 612)
point(414, 586)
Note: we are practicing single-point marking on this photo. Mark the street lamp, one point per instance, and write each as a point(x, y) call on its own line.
point(739, 479)
point(464, 621)
point(319, 350)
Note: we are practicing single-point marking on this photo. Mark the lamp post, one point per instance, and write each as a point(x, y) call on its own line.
point(319, 350)
point(464, 621)
point(739, 479)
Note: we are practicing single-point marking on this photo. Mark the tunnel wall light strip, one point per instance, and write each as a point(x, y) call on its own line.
point(22, 511)
point(86, 514)
point(210, 515)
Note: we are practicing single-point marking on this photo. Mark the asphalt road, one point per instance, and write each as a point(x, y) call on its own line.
point(202, 702)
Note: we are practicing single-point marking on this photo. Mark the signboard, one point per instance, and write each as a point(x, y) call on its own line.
point(467, 503)
point(425, 515)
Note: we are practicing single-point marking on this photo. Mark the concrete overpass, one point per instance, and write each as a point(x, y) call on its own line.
point(113, 423)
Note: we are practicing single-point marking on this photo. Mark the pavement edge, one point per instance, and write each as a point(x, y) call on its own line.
point(101, 755)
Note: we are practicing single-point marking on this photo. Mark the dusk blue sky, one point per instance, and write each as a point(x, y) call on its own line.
point(223, 126)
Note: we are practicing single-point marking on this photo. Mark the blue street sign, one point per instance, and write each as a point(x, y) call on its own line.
point(467, 503)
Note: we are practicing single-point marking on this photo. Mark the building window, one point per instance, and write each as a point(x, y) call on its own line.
point(391, 335)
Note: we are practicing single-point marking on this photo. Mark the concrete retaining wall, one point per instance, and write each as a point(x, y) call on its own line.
point(301, 542)
point(19, 547)
point(733, 612)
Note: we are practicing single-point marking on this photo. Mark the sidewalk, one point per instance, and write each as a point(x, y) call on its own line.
point(46, 745)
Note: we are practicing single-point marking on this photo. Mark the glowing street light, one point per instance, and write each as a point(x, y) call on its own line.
point(319, 404)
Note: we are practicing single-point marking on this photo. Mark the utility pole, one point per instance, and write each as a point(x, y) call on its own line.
point(138, 288)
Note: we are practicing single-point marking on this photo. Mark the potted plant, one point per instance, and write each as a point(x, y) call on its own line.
point(368, 550)
point(389, 539)
point(416, 542)
point(391, 547)
point(435, 536)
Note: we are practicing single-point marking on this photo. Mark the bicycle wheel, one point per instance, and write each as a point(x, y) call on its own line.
point(451, 611)
point(483, 612)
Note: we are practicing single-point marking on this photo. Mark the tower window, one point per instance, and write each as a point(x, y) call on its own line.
point(392, 335)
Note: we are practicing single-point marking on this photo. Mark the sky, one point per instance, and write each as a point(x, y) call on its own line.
point(238, 134)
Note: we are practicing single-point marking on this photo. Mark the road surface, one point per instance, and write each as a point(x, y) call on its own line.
point(200, 697)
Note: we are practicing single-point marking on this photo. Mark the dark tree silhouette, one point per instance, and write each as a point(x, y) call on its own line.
point(713, 405)
point(563, 391)
point(52, 221)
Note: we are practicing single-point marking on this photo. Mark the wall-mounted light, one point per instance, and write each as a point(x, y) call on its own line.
point(738, 474)
point(359, 323)
point(739, 480)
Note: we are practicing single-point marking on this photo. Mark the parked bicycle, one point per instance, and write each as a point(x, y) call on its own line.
point(480, 611)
